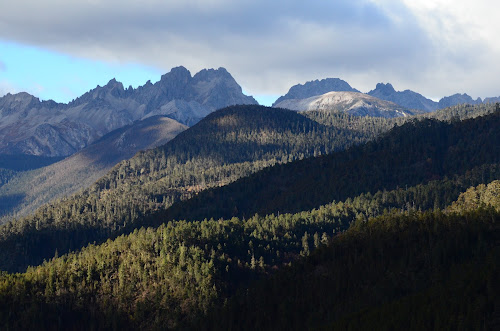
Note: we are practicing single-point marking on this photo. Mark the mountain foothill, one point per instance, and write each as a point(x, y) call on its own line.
point(184, 204)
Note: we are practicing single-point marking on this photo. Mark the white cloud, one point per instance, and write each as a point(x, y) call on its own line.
point(433, 47)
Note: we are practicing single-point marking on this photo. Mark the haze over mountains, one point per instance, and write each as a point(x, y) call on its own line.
point(46, 128)
point(28, 190)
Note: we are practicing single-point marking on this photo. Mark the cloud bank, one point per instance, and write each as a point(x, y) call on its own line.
point(434, 47)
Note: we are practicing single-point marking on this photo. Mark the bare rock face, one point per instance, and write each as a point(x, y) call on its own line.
point(316, 87)
point(47, 128)
point(353, 103)
point(406, 98)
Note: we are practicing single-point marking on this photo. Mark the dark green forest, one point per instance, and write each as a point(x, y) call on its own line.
point(260, 218)
point(415, 152)
point(180, 274)
point(226, 145)
point(398, 271)
point(233, 143)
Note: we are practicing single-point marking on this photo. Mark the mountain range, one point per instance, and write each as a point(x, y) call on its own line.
point(47, 128)
point(407, 99)
point(29, 126)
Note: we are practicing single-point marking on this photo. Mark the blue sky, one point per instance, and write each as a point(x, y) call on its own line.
point(52, 75)
point(59, 49)
point(61, 77)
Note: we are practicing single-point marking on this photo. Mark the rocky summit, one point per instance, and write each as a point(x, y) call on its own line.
point(47, 128)
point(316, 87)
point(353, 103)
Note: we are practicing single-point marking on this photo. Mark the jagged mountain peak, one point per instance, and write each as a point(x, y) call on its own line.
point(13, 103)
point(387, 88)
point(207, 74)
point(18, 97)
point(177, 95)
point(179, 74)
point(113, 83)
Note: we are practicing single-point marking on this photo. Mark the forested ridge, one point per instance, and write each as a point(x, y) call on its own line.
point(179, 274)
point(228, 144)
point(411, 271)
point(407, 223)
point(413, 153)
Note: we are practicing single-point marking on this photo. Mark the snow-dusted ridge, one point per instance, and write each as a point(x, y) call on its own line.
point(354, 103)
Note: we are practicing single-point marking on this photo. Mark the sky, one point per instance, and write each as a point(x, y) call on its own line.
point(59, 49)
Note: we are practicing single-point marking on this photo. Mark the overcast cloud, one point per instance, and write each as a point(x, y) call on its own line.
point(433, 47)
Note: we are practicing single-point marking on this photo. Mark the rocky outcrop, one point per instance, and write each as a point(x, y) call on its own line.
point(406, 98)
point(353, 103)
point(316, 87)
point(46, 128)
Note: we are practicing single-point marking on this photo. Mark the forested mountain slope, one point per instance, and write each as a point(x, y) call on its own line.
point(413, 153)
point(176, 275)
point(229, 144)
point(226, 145)
point(411, 271)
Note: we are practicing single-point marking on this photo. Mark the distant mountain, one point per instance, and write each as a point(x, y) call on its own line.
point(353, 103)
point(406, 98)
point(47, 128)
point(457, 99)
point(491, 100)
point(413, 100)
point(316, 87)
point(28, 190)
